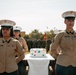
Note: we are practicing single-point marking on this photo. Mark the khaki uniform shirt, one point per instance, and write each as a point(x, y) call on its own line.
point(8, 49)
point(67, 42)
point(23, 43)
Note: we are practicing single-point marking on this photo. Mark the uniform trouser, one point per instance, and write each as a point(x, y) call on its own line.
point(69, 70)
point(12, 73)
point(22, 67)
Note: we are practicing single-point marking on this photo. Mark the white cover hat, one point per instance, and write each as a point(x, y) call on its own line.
point(7, 23)
point(17, 28)
point(69, 14)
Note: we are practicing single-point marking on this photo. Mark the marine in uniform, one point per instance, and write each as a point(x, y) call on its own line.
point(8, 48)
point(17, 35)
point(66, 40)
point(22, 64)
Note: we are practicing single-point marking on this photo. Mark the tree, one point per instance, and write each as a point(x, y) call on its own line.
point(27, 36)
point(52, 35)
point(35, 34)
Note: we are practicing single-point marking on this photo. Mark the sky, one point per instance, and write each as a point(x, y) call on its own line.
point(43, 15)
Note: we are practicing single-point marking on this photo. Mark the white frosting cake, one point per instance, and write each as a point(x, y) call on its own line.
point(37, 52)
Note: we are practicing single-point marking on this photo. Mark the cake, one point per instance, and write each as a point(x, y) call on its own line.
point(37, 52)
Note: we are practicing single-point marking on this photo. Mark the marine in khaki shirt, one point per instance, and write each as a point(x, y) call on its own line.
point(17, 35)
point(8, 62)
point(22, 64)
point(8, 49)
point(66, 42)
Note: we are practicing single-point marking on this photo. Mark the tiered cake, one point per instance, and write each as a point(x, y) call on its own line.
point(37, 52)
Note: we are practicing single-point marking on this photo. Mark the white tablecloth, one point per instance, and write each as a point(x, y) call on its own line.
point(38, 66)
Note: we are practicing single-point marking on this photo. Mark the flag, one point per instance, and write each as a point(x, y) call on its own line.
point(45, 37)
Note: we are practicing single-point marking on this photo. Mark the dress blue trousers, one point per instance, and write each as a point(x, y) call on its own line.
point(12, 73)
point(62, 70)
point(22, 67)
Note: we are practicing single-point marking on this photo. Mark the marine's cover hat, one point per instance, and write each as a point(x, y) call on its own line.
point(7, 23)
point(17, 28)
point(69, 15)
